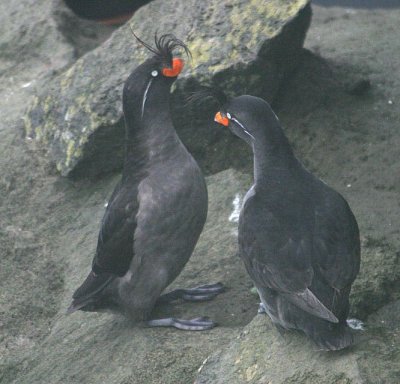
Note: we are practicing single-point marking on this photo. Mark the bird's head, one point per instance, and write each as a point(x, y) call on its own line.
point(252, 120)
point(248, 117)
point(153, 78)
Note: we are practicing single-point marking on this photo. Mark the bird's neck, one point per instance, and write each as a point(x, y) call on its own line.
point(149, 136)
point(272, 155)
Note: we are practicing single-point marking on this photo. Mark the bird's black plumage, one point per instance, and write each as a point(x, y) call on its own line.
point(157, 211)
point(104, 9)
point(298, 238)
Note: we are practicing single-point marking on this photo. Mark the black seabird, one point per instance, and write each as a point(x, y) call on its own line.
point(298, 238)
point(156, 212)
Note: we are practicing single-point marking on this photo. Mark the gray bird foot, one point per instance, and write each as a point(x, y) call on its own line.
point(261, 309)
point(201, 293)
point(196, 324)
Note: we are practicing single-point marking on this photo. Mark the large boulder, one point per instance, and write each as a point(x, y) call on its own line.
point(260, 355)
point(240, 45)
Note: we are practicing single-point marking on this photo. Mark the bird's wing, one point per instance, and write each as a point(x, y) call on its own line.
point(86, 294)
point(114, 251)
point(278, 258)
point(336, 242)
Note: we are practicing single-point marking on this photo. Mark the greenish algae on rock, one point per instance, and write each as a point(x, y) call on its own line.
point(243, 46)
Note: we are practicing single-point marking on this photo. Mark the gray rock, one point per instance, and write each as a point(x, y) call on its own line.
point(31, 45)
point(41, 38)
point(260, 354)
point(242, 46)
point(378, 281)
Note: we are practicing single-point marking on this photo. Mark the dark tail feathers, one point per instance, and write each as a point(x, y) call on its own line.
point(332, 337)
point(88, 292)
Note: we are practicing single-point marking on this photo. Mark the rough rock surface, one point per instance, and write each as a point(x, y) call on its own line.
point(78, 116)
point(28, 43)
point(41, 38)
point(260, 355)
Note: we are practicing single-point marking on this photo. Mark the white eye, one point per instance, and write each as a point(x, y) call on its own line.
point(154, 73)
point(228, 115)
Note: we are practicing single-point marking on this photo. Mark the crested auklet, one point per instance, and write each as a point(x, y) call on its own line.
point(156, 212)
point(298, 238)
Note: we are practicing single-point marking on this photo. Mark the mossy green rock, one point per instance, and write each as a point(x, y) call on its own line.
point(261, 355)
point(243, 46)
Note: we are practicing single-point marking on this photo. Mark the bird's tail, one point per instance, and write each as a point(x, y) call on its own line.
point(308, 302)
point(331, 337)
point(88, 293)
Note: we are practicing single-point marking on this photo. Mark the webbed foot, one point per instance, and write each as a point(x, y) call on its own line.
point(196, 324)
point(201, 293)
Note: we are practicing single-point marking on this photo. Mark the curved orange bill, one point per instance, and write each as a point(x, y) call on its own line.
point(177, 66)
point(221, 119)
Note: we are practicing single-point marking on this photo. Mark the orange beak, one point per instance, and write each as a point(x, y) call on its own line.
point(223, 120)
point(177, 66)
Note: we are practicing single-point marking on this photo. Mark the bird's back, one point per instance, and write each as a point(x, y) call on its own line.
point(294, 231)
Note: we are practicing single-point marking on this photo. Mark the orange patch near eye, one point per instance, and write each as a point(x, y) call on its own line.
point(221, 119)
point(177, 66)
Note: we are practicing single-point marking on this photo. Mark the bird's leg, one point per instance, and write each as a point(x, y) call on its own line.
point(261, 309)
point(280, 329)
point(201, 293)
point(196, 324)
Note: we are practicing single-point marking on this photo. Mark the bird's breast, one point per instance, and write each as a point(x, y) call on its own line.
point(172, 195)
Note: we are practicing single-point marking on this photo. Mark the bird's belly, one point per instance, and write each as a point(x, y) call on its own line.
point(159, 259)
point(166, 236)
point(169, 221)
point(171, 216)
